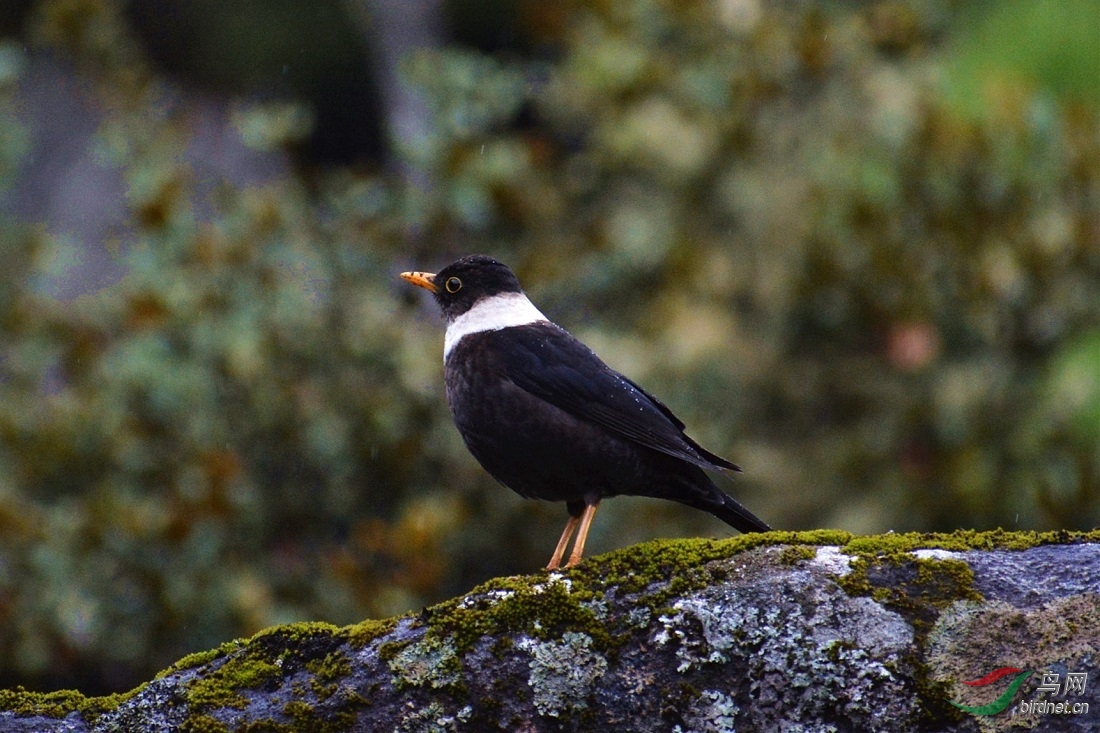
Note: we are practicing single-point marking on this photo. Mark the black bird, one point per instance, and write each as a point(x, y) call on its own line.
point(549, 420)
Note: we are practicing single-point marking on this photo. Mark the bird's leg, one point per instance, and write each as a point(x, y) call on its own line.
point(582, 534)
point(555, 561)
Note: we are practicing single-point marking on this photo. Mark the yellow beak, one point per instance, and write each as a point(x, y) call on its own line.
point(425, 280)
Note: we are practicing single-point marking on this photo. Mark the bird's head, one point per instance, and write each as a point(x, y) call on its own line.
point(463, 283)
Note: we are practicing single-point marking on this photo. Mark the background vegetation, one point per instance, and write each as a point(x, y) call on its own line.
point(856, 246)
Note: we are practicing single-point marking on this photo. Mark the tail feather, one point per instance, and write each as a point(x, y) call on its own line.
point(732, 513)
point(693, 487)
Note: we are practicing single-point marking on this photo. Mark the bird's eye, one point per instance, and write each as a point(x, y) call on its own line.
point(453, 285)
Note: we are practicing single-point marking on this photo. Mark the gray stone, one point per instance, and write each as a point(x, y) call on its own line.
point(788, 632)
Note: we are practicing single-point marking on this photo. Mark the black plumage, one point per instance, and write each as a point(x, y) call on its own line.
point(547, 418)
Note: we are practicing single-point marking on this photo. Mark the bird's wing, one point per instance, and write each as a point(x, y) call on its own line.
point(554, 366)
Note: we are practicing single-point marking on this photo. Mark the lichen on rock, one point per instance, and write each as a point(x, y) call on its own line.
point(795, 631)
point(716, 712)
point(563, 673)
point(812, 652)
point(427, 662)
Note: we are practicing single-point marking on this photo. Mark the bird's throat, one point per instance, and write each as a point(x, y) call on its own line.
point(491, 314)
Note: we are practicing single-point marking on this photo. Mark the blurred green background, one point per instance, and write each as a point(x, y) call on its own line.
point(856, 246)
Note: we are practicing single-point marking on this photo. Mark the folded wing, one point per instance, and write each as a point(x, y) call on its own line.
point(552, 365)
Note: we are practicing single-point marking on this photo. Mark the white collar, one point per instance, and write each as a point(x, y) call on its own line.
point(491, 314)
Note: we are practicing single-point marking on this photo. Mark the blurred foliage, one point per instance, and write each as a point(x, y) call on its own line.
point(1021, 45)
point(777, 216)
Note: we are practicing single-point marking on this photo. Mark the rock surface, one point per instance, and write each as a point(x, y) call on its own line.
point(803, 632)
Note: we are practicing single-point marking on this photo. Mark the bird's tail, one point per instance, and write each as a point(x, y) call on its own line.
point(694, 488)
point(730, 511)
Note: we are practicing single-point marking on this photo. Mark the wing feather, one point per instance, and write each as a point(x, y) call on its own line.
point(552, 365)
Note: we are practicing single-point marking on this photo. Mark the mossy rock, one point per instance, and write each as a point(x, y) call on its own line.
point(817, 628)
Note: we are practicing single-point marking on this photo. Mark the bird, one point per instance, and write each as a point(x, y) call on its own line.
point(547, 418)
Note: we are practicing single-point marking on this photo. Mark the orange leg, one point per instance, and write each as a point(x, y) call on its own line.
point(571, 525)
point(582, 534)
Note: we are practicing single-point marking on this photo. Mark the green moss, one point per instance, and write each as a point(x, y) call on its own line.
point(331, 668)
point(221, 688)
point(59, 704)
point(297, 709)
point(537, 606)
point(268, 655)
point(275, 652)
point(637, 568)
point(962, 540)
point(198, 659)
point(364, 632)
point(327, 672)
point(390, 649)
point(796, 554)
point(299, 631)
point(203, 724)
point(305, 719)
point(502, 647)
point(916, 588)
point(666, 569)
point(279, 652)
